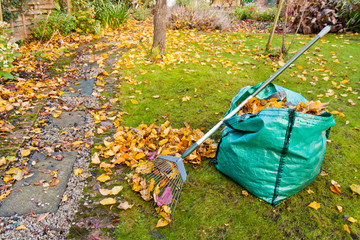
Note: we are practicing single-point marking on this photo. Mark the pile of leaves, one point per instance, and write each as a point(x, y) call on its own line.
point(202, 20)
point(134, 147)
point(255, 105)
point(340, 14)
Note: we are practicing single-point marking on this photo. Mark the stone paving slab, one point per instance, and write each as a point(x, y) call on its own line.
point(80, 88)
point(27, 197)
point(68, 119)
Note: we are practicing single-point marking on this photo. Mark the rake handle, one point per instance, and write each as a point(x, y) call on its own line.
point(193, 147)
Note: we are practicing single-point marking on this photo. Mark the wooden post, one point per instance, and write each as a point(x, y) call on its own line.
point(69, 7)
point(24, 25)
point(1, 16)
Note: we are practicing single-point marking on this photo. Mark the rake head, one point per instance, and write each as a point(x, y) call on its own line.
point(160, 179)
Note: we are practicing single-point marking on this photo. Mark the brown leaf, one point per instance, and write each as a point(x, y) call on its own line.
point(125, 205)
point(58, 157)
point(42, 217)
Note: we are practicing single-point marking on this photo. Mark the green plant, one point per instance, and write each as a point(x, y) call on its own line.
point(250, 11)
point(140, 13)
point(351, 10)
point(57, 21)
point(84, 21)
point(7, 52)
point(112, 14)
point(9, 14)
point(267, 15)
point(97, 28)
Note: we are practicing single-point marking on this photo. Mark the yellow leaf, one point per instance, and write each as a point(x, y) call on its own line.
point(351, 219)
point(346, 228)
point(345, 81)
point(3, 196)
point(78, 171)
point(156, 96)
point(25, 152)
point(21, 227)
point(95, 158)
point(107, 201)
point(162, 142)
point(299, 67)
point(162, 223)
point(355, 188)
point(133, 101)
point(103, 178)
point(336, 113)
point(139, 156)
point(314, 205)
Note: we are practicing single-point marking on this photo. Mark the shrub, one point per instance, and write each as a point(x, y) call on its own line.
point(84, 21)
point(267, 15)
point(140, 13)
point(250, 11)
point(57, 21)
point(199, 19)
point(350, 9)
point(7, 52)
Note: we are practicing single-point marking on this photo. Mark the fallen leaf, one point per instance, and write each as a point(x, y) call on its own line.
point(107, 201)
point(64, 198)
point(115, 190)
point(58, 157)
point(355, 188)
point(245, 193)
point(346, 228)
point(25, 152)
point(21, 227)
point(95, 158)
point(351, 219)
point(103, 178)
point(54, 182)
point(309, 191)
point(156, 96)
point(42, 217)
point(78, 171)
point(335, 189)
point(3, 196)
point(104, 191)
point(125, 205)
point(333, 182)
point(133, 101)
point(339, 208)
point(162, 223)
point(314, 205)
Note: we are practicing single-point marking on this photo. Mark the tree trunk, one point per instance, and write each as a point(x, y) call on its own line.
point(159, 28)
point(268, 45)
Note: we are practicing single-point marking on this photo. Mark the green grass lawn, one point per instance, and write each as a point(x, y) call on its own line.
point(197, 87)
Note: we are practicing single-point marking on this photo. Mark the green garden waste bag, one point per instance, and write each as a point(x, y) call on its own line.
point(276, 152)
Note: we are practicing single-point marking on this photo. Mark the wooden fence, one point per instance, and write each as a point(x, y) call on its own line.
point(34, 10)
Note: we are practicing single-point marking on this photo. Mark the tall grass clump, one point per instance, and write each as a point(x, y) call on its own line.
point(112, 14)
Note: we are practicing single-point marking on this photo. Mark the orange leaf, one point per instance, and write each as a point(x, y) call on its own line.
point(335, 189)
point(133, 101)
